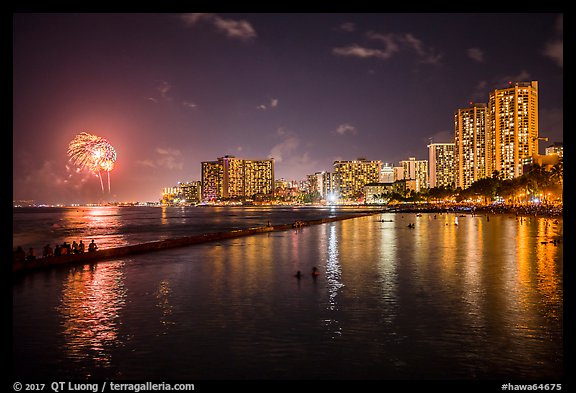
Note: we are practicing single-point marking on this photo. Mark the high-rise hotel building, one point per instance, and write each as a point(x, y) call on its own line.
point(555, 149)
point(498, 136)
point(387, 173)
point(351, 176)
point(413, 169)
point(513, 123)
point(258, 177)
point(323, 183)
point(471, 153)
point(191, 191)
point(212, 180)
point(441, 164)
point(231, 177)
point(184, 193)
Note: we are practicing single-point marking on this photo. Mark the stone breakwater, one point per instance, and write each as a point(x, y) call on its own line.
point(120, 252)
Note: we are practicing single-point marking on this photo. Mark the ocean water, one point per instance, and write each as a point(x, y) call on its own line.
point(113, 226)
point(481, 300)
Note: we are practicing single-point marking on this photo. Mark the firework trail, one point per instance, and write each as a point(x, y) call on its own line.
point(93, 153)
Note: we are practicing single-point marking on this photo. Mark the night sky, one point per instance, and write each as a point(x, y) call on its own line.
point(171, 90)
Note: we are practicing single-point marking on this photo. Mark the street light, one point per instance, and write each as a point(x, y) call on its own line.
point(539, 138)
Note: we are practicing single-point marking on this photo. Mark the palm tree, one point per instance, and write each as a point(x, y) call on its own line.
point(557, 179)
point(557, 173)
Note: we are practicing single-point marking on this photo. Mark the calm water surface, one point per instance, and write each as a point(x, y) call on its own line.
point(113, 226)
point(481, 300)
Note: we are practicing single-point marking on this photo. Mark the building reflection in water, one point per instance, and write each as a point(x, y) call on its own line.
point(92, 298)
point(467, 280)
point(163, 298)
point(333, 280)
point(487, 295)
point(548, 251)
point(387, 267)
point(333, 270)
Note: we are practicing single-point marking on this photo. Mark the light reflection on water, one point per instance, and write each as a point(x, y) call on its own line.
point(333, 278)
point(163, 296)
point(92, 298)
point(482, 299)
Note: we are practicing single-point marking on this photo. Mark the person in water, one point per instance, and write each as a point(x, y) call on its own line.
point(298, 275)
point(315, 272)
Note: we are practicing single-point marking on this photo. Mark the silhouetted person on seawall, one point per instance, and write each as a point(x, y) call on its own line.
point(31, 255)
point(19, 254)
point(65, 249)
point(48, 252)
point(92, 246)
point(80, 247)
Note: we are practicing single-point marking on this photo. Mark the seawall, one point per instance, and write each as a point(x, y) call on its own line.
point(120, 252)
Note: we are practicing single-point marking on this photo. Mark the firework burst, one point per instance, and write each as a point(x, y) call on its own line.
point(93, 153)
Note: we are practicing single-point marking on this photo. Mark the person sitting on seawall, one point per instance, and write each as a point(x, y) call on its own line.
point(47, 252)
point(80, 247)
point(74, 249)
point(65, 249)
point(30, 256)
point(57, 250)
point(92, 246)
point(19, 254)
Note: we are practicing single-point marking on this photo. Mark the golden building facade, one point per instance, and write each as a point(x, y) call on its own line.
point(212, 180)
point(471, 149)
point(231, 177)
point(441, 164)
point(352, 176)
point(413, 169)
point(513, 121)
point(258, 177)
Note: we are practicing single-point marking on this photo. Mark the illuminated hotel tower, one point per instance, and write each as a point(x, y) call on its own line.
point(258, 177)
point(212, 180)
point(231, 177)
point(413, 169)
point(556, 148)
point(387, 173)
point(323, 183)
point(470, 145)
point(441, 164)
point(513, 122)
point(352, 176)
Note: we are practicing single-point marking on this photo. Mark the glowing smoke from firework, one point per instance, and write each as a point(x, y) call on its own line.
point(93, 153)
